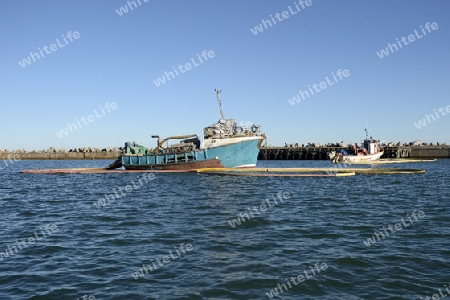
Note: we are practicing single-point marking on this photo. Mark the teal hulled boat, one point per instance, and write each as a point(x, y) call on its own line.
point(225, 145)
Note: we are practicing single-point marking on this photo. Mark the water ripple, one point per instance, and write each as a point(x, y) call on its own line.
point(95, 251)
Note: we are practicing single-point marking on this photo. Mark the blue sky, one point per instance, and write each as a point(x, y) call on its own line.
point(118, 58)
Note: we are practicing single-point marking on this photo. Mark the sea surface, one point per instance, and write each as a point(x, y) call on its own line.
point(175, 236)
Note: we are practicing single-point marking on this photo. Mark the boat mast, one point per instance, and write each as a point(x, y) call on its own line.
point(220, 103)
point(367, 133)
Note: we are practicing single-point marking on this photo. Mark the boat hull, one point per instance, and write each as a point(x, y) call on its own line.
point(230, 153)
point(358, 158)
point(207, 163)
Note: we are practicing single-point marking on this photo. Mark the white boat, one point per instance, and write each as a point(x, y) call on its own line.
point(370, 150)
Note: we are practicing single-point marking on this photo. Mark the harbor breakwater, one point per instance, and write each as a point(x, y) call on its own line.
point(321, 153)
point(270, 153)
point(61, 154)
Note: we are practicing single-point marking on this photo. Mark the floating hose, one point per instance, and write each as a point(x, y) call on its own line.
point(328, 171)
point(266, 172)
point(387, 161)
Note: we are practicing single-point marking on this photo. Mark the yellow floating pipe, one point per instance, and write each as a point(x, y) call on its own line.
point(387, 161)
point(327, 170)
point(279, 174)
point(268, 171)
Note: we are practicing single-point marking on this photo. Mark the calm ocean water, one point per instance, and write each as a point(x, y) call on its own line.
point(176, 236)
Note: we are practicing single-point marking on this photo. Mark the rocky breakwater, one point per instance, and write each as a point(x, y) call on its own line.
point(53, 153)
point(349, 145)
point(416, 149)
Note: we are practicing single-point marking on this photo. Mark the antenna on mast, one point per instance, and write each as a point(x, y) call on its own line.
point(220, 103)
point(367, 126)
